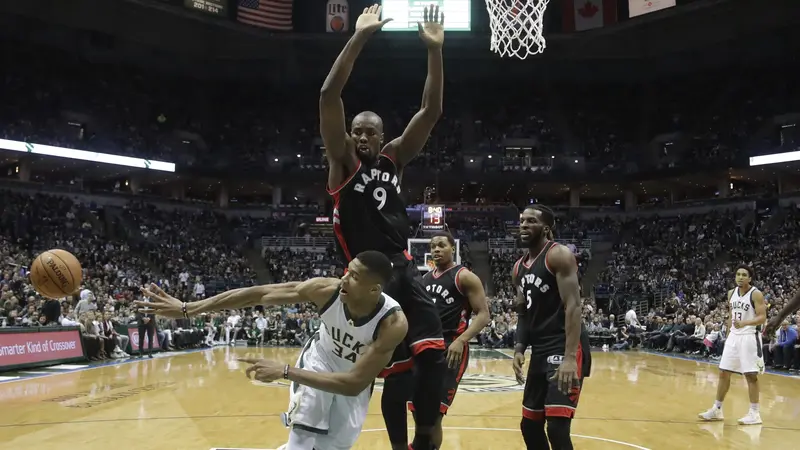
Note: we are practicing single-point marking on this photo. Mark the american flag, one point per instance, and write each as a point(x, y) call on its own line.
point(272, 14)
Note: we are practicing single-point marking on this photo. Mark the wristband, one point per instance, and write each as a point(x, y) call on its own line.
point(183, 309)
point(286, 372)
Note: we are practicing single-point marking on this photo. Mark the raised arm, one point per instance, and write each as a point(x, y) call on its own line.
point(331, 108)
point(406, 147)
point(316, 290)
point(391, 333)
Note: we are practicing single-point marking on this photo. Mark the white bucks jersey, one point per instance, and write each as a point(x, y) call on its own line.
point(343, 339)
point(743, 308)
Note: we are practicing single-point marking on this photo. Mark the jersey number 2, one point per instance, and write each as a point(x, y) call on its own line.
point(379, 194)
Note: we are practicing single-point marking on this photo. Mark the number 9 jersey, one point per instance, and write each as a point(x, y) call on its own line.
point(368, 212)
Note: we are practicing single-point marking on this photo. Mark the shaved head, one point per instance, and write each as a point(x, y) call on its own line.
point(368, 118)
point(367, 134)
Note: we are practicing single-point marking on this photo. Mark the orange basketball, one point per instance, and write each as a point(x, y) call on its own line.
point(56, 274)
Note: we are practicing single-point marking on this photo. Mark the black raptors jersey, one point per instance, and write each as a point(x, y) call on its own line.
point(368, 213)
point(544, 309)
point(453, 305)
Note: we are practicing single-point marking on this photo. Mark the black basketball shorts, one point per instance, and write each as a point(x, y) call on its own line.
point(424, 324)
point(542, 397)
point(451, 380)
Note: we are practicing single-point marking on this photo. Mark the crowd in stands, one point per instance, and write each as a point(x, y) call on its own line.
point(681, 266)
point(123, 110)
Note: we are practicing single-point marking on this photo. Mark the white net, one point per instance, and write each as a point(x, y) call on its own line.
point(517, 27)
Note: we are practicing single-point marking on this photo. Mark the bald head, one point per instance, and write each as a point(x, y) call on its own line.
point(367, 133)
point(368, 118)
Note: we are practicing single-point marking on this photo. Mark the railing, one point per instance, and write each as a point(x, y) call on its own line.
point(281, 242)
point(509, 243)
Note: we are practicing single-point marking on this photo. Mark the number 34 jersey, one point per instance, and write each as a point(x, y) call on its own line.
point(368, 212)
point(342, 339)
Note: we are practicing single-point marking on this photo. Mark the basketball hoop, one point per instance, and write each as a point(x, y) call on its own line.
point(517, 27)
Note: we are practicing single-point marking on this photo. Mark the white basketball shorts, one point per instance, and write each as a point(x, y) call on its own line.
point(336, 419)
point(743, 354)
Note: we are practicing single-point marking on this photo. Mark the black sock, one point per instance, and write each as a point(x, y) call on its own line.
point(430, 367)
point(396, 393)
point(558, 429)
point(533, 434)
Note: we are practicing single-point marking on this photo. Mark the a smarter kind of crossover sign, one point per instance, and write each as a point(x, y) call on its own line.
point(39, 347)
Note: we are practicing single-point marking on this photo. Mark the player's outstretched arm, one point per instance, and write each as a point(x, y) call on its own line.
point(316, 290)
point(775, 322)
point(391, 333)
point(406, 147)
point(331, 108)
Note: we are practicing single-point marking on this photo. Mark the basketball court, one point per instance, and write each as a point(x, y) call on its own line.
point(202, 400)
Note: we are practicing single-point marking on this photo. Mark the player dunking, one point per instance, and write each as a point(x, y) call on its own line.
point(331, 382)
point(369, 214)
point(549, 308)
point(457, 293)
point(742, 353)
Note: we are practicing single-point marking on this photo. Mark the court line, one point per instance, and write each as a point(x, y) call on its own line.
point(581, 436)
point(277, 415)
point(713, 363)
point(115, 362)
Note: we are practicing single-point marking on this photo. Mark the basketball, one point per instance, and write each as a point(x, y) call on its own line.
point(56, 273)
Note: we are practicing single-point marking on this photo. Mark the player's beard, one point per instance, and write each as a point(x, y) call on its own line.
point(534, 238)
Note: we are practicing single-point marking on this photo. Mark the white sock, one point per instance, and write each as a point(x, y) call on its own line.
point(717, 404)
point(754, 407)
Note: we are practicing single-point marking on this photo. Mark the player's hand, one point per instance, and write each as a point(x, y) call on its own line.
point(263, 370)
point(370, 20)
point(455, 352)
point(772, 326)
point(432, 29)
point(737, 323)
point(161, 303)
point(519, 363)
point(566, 375)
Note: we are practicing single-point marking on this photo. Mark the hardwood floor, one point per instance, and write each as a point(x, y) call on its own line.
point(202, 400)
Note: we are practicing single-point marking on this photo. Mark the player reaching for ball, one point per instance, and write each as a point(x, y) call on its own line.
point(331, 382)
point(364, 180)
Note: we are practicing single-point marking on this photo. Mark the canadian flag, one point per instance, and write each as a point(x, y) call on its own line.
point(581, 15)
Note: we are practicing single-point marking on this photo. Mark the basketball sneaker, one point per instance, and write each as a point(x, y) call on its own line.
point(752, 418)
point(713, 414)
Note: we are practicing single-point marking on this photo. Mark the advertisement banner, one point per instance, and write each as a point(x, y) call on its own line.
point(133, 333)
point(35, 347)
point(640, 7)
point(337, 18)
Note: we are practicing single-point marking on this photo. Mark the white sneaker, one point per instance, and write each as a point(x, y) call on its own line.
point(713, 414)
point(752, 418)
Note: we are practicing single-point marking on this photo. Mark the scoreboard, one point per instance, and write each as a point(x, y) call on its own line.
point(215, 7)
point(433, 218)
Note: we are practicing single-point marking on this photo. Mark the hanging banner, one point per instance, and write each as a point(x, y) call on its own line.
point(337, 16)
